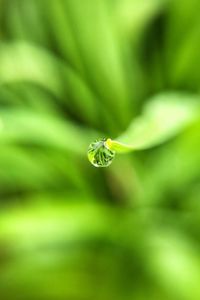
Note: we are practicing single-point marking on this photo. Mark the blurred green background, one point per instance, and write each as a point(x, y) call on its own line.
point(72, 71)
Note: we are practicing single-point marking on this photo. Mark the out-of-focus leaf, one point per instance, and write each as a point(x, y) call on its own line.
point(132, 16)
point(173, 170)
point(19, 13)
point(164, 116)
point(23, 126)
point(101, 55)
point(60, 24)
point(176, 264)
point(24, 62)
point(183, 43)
point(50, 169)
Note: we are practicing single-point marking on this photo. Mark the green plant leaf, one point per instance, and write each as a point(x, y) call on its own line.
point(164, 116)
point(132, 16)
point(24, 62)
point(24, 126)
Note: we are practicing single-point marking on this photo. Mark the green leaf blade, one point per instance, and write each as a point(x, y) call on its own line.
point(164, 117)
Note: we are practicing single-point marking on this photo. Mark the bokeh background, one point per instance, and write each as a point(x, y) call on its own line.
point(72, 71)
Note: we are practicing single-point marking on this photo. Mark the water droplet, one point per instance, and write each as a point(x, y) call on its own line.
point(99, 155)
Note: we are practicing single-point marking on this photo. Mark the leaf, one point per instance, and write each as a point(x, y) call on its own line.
point(175, 254)
point(164, 116)
point(133, 15)
point(183, 46)
point(47, 169)
point(24, 62)
point(25, 126)
point(101, 55)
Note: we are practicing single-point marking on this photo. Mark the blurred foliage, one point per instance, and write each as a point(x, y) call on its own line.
point(72, 71)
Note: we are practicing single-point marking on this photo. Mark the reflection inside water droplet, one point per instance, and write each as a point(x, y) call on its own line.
point(99, 155)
